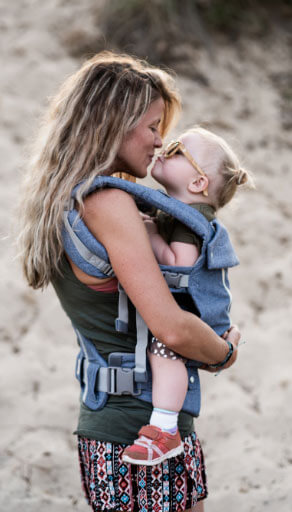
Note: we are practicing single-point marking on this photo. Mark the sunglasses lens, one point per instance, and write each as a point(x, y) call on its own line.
point(168, 153)
point(171, 149)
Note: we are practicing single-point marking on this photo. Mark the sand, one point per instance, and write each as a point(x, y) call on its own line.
point(245, 425)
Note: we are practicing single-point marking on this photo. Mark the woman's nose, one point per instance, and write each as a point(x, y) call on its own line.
point(157, 141)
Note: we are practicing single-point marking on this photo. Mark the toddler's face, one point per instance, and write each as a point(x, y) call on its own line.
point(175, 172)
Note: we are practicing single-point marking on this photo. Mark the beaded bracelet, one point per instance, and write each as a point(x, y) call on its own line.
point(222, 363)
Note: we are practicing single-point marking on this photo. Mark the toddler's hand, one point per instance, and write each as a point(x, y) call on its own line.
point(144, 216)
point(151, 227)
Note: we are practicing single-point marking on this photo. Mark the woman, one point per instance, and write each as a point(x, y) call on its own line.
point(109, 117)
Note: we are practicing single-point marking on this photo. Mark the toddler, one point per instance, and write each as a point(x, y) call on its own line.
point(199, 169)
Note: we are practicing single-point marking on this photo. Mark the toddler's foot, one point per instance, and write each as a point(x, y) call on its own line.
point(153, 446)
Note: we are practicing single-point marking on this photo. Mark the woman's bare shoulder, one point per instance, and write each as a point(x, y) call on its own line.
point(107, 198)
point(110, 212)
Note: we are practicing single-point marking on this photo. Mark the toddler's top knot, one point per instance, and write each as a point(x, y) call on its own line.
point(242, 177)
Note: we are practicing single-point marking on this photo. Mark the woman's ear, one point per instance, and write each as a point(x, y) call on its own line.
point(199, 185)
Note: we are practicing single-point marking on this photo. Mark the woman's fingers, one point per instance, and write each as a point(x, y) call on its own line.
point(233, 335)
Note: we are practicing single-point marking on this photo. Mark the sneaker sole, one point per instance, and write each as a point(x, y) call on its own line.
point(141, 462)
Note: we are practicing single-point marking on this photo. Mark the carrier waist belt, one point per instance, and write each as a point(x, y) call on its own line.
point(99, 379)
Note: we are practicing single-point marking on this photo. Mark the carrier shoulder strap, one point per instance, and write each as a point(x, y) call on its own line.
point(157, 198)
point(88, 254)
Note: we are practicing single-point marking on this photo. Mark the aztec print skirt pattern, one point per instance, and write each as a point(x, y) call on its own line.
point(112, 485)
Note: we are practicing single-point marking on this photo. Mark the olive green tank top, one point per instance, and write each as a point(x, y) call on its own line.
point(93, 313)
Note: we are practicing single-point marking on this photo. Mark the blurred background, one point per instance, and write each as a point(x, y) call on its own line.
point(232, 62)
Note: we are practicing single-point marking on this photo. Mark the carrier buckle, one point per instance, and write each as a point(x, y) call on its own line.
point(173, 279)
point(121, 381)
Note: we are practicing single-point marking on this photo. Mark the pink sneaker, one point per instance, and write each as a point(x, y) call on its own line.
point(153, 446)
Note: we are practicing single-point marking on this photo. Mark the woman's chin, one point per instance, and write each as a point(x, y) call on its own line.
point(141, 174)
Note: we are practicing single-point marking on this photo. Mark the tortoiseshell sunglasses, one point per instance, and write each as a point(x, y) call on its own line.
point(178, 147)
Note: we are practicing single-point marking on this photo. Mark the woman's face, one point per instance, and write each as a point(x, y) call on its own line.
point(138, 147)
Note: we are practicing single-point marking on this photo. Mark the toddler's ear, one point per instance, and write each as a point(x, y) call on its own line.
point(199, 185)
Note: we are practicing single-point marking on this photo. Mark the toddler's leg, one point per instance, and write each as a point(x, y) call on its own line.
point(161, 439)
point(170, 382)
point(169, 386)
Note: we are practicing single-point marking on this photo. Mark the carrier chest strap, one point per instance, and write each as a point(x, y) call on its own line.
point(142, 335)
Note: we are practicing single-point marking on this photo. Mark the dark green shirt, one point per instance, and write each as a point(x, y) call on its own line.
point(172, 230)
point(94, 313)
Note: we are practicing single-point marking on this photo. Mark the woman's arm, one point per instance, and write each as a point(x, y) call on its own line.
point(112, 216)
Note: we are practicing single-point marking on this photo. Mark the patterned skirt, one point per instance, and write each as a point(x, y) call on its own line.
point(112, 485)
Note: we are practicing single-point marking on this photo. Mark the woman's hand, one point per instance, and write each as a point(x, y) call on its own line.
point(233, 336)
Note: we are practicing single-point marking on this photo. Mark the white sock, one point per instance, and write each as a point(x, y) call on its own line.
point(166, 420)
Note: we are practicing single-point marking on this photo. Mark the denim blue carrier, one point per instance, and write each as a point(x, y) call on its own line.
point(206, 282)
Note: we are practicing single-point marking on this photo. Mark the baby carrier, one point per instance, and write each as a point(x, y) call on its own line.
point(206, 282)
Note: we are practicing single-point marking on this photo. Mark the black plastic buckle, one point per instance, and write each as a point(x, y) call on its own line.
point(121, 381)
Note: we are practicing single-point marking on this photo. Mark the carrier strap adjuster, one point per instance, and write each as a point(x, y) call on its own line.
point(116, 380)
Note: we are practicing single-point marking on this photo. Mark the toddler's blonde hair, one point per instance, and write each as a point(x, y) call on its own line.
point(227, 165)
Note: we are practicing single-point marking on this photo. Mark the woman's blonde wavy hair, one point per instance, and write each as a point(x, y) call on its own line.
point(80, 138)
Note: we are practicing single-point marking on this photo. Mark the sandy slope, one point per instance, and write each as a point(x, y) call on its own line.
point(246, 416)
